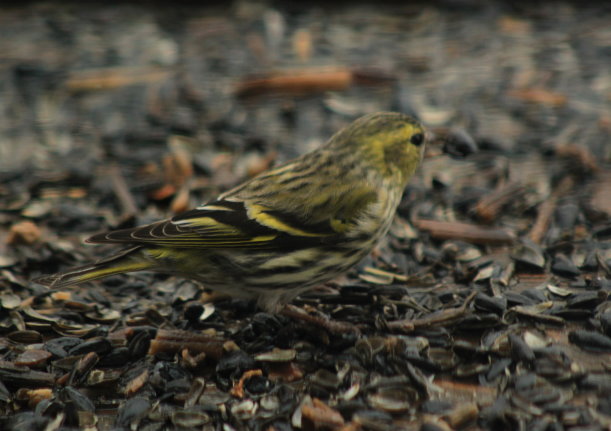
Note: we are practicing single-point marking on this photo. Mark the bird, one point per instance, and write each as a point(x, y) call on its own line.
point(284, 231)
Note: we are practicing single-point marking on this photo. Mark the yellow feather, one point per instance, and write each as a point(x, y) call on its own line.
point(295, 258)
point(257, 212)
point(208, 222)
point(127, 267)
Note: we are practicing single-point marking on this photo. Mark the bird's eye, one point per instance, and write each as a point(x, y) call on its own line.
point(417, 139)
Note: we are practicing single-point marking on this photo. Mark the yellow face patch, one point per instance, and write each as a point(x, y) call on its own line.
point(393, 151)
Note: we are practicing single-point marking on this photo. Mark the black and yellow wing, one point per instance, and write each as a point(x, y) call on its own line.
point(228, 223)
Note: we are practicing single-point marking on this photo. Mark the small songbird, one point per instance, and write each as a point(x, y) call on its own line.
point(286, 230)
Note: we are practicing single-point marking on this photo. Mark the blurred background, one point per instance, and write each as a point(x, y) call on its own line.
point(92, 81)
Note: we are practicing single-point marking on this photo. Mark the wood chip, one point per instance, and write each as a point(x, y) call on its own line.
point(284, 372)
point(238, 389)
point(601, 196)
point(539, 95)
point(462, 415)
point(580, 154)
point(135, 384)
point(174, 341)
point(32, 357)
point(34, 396)
point(489, 206)
point(25, 232)
point(320, 416)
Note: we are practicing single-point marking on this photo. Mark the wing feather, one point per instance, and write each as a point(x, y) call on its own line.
point(212, 227)
point(293, 217)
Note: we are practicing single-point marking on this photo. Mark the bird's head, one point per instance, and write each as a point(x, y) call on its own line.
point(390, 142)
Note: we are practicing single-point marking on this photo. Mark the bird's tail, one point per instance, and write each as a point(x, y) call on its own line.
point(127, 261)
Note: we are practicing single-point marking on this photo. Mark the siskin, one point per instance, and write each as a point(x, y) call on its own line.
point(286, 230)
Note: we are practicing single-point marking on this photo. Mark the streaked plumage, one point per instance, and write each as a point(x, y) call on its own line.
point(286, 230)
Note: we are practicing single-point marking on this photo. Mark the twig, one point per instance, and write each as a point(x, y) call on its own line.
point(488, 207)
point(312, 80)
point(546, 209)
point(333, 326)
point(114, 77)
point(126, 199)
point(467, 232)
point(302, 82)
point(444, 317)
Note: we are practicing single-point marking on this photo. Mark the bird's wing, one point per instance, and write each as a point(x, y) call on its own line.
point(216, 224)
point(307, 203)
point(311, 194)
point(230, 222)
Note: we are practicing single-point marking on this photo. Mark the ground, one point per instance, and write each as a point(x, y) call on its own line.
point(486, 307)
